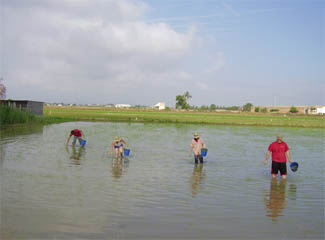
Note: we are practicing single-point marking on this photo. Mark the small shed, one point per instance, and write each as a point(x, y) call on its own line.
point(34, 107)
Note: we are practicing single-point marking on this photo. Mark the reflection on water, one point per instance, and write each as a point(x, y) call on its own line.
point(119, 166)
point(11, 134)
point(292, 191)
point(275, 200)
point(20, 130)
point(76, 154)
point(161, 193)
point(197, 178)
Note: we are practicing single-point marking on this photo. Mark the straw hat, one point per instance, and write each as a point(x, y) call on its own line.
point(196, 135)
point(117, 139)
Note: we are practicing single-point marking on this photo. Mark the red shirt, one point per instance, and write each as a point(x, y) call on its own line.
point(278, 151)
point(77, 133)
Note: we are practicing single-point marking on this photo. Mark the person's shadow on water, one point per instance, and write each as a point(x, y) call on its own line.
point(275, 201)
point(197, 178)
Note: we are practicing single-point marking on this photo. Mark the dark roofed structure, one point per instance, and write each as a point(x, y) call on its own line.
point(26, 105)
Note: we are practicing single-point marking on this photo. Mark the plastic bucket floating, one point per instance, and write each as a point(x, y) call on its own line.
point(83, 142)
point(126, 152)
point(204, 152)
point(294, 166)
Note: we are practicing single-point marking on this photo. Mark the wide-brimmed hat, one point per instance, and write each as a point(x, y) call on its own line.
point(117, 139)
point(196, 135)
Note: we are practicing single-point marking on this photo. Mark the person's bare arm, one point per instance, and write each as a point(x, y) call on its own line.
point(68, 140)
point(267, 157)
point(82, 133)
point(123, 141)
point(288, 155)
point(191, 149)
point(203, 144)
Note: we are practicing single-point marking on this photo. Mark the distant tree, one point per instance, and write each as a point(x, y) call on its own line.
point(204, 108)
point(232, 108)
point(293, 110)
point(182, 100)
point(264, 110)
point(274, 110)
point(213, 107)
point(187, 96)
point(2, 90)
point(247, 107)
point(257, 109)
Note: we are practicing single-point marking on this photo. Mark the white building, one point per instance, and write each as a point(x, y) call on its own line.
point(122, 105)
point(320, 110)
point(160, 106)
point(316, 110)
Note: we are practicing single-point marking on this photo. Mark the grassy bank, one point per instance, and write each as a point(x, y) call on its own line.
point(12, 116)
point(134, 115)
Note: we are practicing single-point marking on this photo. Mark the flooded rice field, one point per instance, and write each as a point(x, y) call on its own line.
point(50, 192)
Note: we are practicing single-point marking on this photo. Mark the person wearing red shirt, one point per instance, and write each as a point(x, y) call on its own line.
point(77, 134)
point(280, 154)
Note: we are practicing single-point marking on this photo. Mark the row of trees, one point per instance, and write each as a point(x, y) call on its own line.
point(182, 103)
point(293, 109)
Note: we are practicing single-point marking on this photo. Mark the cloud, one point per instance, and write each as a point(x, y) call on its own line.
point(92, 50)
point(218, 62)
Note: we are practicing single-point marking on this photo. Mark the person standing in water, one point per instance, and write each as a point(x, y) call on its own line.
point(196, 146)
point(77, 134)
point(117, 145)
point(280, 154)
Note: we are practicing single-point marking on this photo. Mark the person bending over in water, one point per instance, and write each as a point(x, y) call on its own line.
point(196, 146)
point(77, 134)
point(117, 145)
point(280, 154)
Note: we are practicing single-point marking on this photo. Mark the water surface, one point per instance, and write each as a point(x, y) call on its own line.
point(48, 191)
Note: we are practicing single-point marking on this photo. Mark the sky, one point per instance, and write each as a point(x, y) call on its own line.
point(140, 52)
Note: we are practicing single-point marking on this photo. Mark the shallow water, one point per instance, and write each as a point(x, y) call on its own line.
point(158, 192)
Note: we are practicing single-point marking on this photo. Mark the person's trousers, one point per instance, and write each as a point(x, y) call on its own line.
point(197, 158)
point(75, 140)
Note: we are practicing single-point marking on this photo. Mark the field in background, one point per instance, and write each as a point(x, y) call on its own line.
point(144, 115)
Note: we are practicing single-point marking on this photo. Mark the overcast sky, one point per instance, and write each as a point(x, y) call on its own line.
point(142, 52)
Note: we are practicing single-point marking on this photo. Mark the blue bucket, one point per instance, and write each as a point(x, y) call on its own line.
point(294, 166)
point(126, 152)
point(204, 152)
point(83, 142)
